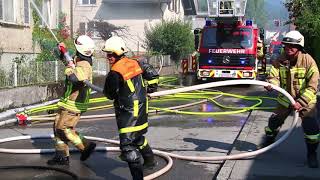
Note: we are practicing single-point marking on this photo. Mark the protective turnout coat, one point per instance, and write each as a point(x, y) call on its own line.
point(300, 79)
point(125, 85)
point(76, 95)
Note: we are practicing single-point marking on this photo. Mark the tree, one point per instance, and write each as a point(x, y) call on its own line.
point(172, 37)
point(305, 14)
point(105, 29)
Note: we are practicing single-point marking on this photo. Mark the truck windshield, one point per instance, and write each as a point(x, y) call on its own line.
point(227, 38)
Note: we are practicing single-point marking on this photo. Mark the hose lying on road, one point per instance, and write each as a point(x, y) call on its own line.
point(168, 155)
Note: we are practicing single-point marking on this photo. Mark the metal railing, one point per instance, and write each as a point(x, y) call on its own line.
point(32, 73)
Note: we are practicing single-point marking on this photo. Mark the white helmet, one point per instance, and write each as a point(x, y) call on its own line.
point(116, 45)
point(84, 45)
point(293, 37)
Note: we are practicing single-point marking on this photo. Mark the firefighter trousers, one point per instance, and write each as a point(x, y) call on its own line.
point(309, 124)
point(64, 131)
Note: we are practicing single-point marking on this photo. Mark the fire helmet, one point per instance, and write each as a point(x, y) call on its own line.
point(116, 45)
point(293, 37)
point(84, 45)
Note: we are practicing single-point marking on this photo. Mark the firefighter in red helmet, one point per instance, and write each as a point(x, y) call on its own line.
point(125, 85)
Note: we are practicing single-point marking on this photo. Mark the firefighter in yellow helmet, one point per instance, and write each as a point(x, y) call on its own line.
point(297, 73)
point(74, 102)
point(125, 85)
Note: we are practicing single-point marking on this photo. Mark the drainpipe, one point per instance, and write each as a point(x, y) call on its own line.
point(71, 18)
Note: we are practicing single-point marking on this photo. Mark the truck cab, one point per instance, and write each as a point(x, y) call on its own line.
point(227, 44)
point(227, 50)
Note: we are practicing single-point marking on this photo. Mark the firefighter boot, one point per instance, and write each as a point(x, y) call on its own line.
point(148, 157)
point(267, 141)
point(312, 155)
point(270, 137)
point(136, 170)
point(88, 150)
point(59, 159)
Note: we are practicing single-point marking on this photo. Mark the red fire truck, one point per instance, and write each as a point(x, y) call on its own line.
point(227, 46)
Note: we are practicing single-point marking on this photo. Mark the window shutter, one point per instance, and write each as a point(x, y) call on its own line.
point(90, 26)
point(189, 7)
point(1, 10)
point(82, 28)
point(26, 12)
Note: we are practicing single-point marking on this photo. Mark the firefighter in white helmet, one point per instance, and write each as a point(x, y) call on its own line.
point(125, 85)
point(297, 73)
point(74, 102)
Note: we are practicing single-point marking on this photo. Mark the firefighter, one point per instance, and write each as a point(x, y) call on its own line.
point(260, 55)
point(125, 85)
point(296, 72)
point(73, 103)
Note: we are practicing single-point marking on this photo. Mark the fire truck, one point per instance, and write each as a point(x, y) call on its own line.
point(227, 44)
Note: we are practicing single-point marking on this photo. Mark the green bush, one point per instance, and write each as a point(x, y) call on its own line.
point(173, 37)
point(305, 14)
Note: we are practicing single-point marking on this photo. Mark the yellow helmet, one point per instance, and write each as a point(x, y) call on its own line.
point(84, 45)
point(116, 45)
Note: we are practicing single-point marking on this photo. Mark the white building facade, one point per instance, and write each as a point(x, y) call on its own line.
point(16, 25)
point(135, 15)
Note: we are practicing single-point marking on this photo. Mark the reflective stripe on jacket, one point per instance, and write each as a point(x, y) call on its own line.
point(125, 84)
point(76, 95)
point(300, 80)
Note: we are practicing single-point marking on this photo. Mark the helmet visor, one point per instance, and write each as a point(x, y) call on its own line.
point(288, 40)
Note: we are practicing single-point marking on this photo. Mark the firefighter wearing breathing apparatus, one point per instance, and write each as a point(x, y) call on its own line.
point(74, 102)
point(125, 85)
point(297, 73)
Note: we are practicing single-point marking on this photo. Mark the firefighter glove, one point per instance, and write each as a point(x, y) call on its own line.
point(268, 88)
point(62, 48)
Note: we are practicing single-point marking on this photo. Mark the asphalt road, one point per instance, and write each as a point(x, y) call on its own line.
point(182, 134)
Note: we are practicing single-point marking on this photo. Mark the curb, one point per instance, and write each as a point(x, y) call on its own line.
point(228, 166)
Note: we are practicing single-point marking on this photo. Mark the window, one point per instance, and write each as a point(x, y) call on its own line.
point(49, 13)
point(82, 28)
point(87, 2)
point(227, 38)
point(202, 6)
point(45, 12)
point(189, 7)
point(174, 6)
point(7, 10)
point(89, 29)
point(92, 29)
point(26, 12)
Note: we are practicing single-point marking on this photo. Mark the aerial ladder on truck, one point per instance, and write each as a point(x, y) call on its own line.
point(227, 44)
